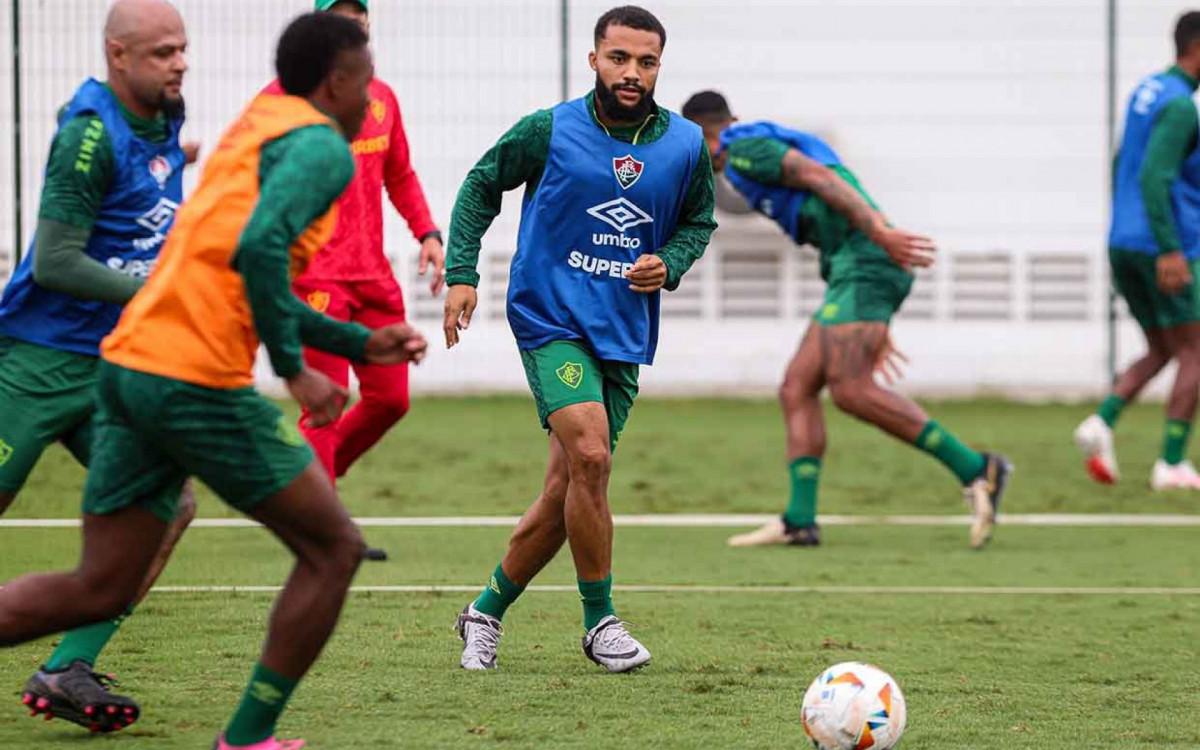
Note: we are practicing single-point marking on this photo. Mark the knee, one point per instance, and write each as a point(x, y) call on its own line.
point(590, 462)
point(555, 490)
point(341, 554)
point(392, 401)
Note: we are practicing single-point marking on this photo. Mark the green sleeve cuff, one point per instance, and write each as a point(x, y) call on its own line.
point(457, 276)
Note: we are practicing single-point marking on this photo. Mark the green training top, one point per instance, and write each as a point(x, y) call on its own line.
point(820, 225)
point(519, 157)
point(79, 173)
point(1172, 139)
point(300, 174)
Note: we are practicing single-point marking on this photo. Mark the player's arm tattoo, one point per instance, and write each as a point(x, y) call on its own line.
point(803, 173)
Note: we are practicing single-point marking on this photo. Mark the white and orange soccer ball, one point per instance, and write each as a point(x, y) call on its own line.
point(853, 706)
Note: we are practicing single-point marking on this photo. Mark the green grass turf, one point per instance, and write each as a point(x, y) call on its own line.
point(486, 456)
point(1011, 671)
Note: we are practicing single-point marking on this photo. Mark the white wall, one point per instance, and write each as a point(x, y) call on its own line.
point(979, 122)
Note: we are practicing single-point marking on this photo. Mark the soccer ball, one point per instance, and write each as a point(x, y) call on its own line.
point(853, 706)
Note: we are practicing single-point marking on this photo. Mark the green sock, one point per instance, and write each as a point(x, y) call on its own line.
point(1175, 440)
point(265, 698)
point(1111, 409)
point(597, 601)
point(84, 643)
point(958, 458)
point(498, 595)
point(802, 507)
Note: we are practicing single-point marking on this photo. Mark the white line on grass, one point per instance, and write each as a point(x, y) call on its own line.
point(698, 521)
point(668, 589)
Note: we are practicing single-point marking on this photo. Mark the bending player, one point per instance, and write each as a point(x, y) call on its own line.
point(618, 205)
point(113, 181)
point(799, 182)
point(176, 393)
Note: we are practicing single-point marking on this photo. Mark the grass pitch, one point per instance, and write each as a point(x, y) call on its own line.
point(1025, 670)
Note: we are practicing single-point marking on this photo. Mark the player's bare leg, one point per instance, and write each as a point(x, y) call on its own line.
point(850, 354)
point(6, 499)
point(537, 539)
point(310, 520)
point(1173, 470)
point(1094, 435)
point(804, 422)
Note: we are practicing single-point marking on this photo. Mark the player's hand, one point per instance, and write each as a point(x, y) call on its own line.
point(191, 152)
point(396, 343)
point(320, 396)
point(460, 306)
point(1173, 272)
point(888, 363)
point(906, 249)
point(648, 274)
point(432, 254)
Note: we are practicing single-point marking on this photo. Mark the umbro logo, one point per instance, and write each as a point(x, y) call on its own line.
point(620, 214)
point(157, 218)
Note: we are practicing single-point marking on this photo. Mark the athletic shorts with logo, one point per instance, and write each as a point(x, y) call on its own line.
point(46, 396)
point(1135, 275)
point(152, 433)
point(863, 285)
point(563, 373)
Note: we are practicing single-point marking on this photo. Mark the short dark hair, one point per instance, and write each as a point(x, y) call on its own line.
point(309, 48)
point(1187, 30)
point(706, 106)
point(633, 17)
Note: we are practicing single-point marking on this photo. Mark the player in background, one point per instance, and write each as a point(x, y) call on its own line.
point(1153, 250)
point(351, 278)
point(113, 181)
point(618, 205)
point(176, 395)
point(799, 182)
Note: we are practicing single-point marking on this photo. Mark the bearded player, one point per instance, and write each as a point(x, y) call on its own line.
point(618, 206)
point(113, 181)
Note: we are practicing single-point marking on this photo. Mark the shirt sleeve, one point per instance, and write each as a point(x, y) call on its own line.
point(758, 159)
point(400, 179)
point(60, 263)
point(301, 175)
point(695, 225)
point(78, 173)
point(1171, 140)
point(518, 158)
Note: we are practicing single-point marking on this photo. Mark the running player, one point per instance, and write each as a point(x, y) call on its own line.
point(799, 182)
point(1153, 250)
point(351, 278)
point(112, 183)
point(176, 394)
point(618, 205)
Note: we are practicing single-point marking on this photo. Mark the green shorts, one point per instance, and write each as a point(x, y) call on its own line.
point(152, 433)
point(1135, 276)
point(863, 285)
point(46, 395)
point(562, 373)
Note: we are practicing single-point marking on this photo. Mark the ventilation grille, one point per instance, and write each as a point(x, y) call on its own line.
point(981, 287)
point(1059, 286)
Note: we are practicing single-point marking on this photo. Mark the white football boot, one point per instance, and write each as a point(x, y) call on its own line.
point(1181, 476)
point(983, 497)
point(1095, 439)
point(611, 646)
point(777, 531)
point(480, 635)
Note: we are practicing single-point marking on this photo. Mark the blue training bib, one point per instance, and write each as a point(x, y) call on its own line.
point(130, 229)
point(600, 204)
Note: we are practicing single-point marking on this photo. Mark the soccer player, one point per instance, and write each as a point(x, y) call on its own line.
point(176, 393)
point(351, 277)
point(113, 181)
point(798, 181)
point(618, 205)
point(1153, 250)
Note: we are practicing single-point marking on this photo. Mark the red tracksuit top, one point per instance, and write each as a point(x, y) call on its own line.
point(381, 159)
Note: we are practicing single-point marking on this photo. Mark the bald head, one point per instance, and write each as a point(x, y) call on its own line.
point(144, 42)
